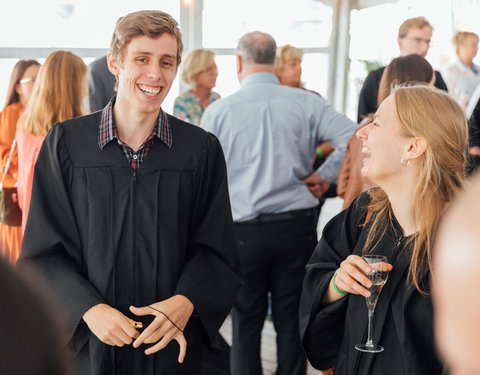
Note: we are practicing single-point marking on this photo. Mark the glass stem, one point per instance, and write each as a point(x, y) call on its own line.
point(369, 338)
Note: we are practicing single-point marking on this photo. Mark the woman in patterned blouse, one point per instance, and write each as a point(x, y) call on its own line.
point(200, 72)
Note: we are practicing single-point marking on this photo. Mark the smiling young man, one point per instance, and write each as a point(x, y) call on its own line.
point(130, 219)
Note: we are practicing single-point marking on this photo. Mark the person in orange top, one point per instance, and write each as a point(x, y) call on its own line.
point(58, 96)
point(19, 91)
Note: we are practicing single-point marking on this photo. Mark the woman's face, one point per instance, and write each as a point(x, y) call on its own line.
point(383, 144)
point(291, 73)
point(468, 49)
point(25, 87)
point(208, 77)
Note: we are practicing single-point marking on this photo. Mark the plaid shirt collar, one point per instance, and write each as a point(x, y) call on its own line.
point(107, 130)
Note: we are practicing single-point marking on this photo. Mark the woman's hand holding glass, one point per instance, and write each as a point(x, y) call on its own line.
point(378, 276)
point(351, 278)
point(352, 275)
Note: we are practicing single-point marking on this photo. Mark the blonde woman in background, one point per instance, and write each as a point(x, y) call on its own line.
point(289, 66)
point(19, 92)
point(289, 73)
point(58, 96)
point(200, 73)
point(463, 75)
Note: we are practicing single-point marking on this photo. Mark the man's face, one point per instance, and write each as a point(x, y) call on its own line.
point(417, 41)
point(146, 73)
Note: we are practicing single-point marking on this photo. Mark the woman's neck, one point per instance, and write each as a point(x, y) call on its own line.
point(201, 92)
point(23, 101)
point(468, 62)
point(401, 197)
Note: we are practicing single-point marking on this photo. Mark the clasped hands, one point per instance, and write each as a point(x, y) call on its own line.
point(113, 328)
point(317, 185)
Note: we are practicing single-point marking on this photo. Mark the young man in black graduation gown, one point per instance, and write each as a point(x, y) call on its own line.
point(130, 219)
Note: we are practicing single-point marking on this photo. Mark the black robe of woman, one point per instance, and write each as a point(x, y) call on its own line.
point(474, 138)
point(102, 233)
point(403, 320)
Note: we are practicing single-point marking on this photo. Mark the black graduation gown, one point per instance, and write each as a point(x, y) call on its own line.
point(474, 137)
point(474, 126)
point(101, 233)
point(367, 102)
point(403, 320)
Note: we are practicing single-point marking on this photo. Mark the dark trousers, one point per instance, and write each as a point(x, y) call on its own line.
point(273, 256)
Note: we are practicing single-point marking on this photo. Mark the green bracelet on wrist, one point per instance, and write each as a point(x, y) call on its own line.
point(319, 152)
point(333, 282)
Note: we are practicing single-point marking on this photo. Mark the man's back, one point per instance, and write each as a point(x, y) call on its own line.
point(269, 133)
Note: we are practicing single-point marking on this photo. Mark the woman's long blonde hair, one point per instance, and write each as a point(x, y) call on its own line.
point(58, 93)
point(430, 113)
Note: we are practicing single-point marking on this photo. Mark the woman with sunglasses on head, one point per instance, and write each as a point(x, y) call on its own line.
point(19, 92)
point(414, 151)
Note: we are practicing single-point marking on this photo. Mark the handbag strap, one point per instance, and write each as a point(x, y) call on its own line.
point(8, 161)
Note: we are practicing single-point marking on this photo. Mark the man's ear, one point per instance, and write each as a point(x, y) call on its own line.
point(239, 64)
point(418, 146)
point(113, 64)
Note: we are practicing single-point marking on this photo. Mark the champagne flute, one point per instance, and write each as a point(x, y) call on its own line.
point(378, 277)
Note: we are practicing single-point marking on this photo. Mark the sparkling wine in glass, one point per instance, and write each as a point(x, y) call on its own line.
point(378, 277)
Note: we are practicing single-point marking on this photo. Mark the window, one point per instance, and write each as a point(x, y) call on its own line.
point(32, 29)
point(374, 34)
point(307, 25)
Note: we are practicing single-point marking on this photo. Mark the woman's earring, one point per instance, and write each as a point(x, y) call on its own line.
point(404, 163)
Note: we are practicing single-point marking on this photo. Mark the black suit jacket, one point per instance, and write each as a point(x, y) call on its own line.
point(101, 84)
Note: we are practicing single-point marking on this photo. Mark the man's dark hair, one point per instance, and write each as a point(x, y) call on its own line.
point(257, 48)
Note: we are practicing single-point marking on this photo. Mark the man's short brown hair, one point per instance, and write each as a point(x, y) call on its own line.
point(417, 22)
point(151, 23)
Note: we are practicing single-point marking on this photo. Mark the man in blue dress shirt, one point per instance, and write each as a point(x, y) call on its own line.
point(269, 133)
